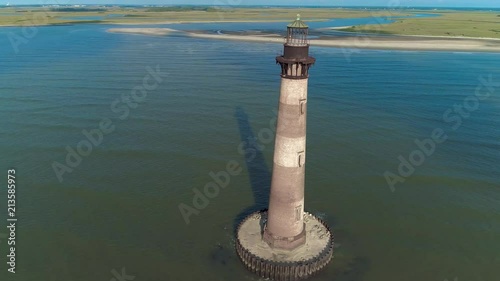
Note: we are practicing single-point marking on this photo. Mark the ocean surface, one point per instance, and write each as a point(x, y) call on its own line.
point(117, 211)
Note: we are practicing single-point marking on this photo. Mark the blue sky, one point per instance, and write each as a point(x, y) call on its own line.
point(393, 3)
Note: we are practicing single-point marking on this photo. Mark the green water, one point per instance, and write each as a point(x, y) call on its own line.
point(119, 208)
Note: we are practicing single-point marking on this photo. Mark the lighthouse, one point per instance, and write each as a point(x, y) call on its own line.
point(285, 224)
point(284, 242)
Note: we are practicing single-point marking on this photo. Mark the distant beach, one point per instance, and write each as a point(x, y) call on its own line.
point(423, 43)
point(145, 31)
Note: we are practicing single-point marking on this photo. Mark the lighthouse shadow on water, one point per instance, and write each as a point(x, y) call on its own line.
point(260, 180)
point(259, 173)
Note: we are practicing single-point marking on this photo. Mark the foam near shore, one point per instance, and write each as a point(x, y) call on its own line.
point(424, 43)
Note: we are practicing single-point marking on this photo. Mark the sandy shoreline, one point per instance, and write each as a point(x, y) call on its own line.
point(421, 43)
point(143, 31)
point(205, 21)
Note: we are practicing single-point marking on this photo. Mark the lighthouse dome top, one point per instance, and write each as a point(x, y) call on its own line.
point(298, 23)
point(297, 32)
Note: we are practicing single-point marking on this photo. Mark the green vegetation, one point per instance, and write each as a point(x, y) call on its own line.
point(356, 29)
point(44, 16)
point(77, 9)
point(78, 22)
point(450, 23)
point(466, 24)
point(181, 9)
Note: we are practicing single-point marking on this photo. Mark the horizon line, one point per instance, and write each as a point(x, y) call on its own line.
point(228, 5)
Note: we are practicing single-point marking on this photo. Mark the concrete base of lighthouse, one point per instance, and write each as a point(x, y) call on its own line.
point(281, 265)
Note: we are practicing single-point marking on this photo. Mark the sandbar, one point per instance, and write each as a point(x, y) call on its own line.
point(422, 43)
point(144, 31)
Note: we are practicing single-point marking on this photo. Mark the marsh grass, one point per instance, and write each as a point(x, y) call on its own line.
point(10, 16)
point(466, 24)
point(450, 23)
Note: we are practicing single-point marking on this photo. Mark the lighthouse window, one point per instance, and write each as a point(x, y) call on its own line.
point(302, 106)
point(298, 212)
point(302, 158)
